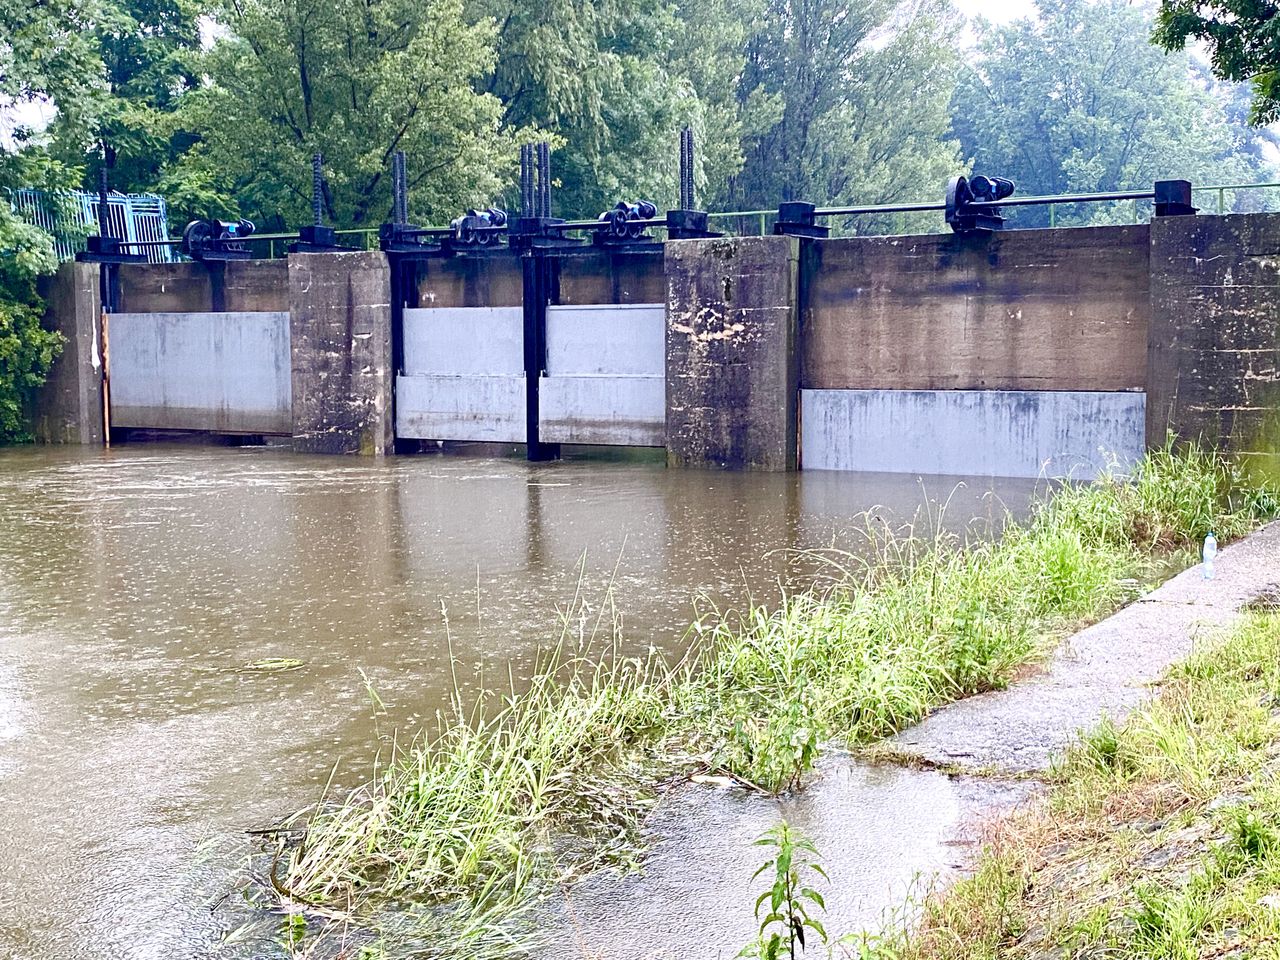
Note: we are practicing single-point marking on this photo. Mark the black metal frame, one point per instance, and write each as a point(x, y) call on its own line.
point(968, 211)
point(541, 241)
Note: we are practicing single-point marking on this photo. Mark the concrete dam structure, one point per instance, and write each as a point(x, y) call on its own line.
point(1016, 353)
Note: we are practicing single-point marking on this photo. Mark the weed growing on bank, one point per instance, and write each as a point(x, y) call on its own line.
point(1160, 838)
point(535, 788)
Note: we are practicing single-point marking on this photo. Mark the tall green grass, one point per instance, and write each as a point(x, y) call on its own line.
point(538, 787)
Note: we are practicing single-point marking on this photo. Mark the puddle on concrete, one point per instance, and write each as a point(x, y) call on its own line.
point(136, 583)
point(887, 833)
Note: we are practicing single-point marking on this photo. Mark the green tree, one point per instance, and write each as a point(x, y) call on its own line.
point(146, 50)
point(847, 102)
point(1243, 43)
point(596, 75)
point(355, 80)
point(45, 57)
point(1076, 100)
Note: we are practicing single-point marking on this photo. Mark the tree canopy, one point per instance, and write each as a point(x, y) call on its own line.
point(354, 80)
point(1243, 39)
point(816, 99)
point(1076, 100)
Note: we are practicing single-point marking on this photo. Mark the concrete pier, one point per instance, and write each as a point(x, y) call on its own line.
point(732, 367)
point(340, 334)
point(69, 406)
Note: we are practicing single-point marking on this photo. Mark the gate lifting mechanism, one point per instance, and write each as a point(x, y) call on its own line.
point(624, 228)
point(210, 240)
point(214, 241)
point(973, 206)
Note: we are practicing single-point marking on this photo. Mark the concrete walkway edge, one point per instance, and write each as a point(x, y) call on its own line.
point(1106, 669)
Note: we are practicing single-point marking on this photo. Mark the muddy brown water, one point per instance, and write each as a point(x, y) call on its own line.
point(136, 583)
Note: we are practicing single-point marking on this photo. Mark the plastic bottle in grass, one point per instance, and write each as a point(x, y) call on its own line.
point(1210, 554)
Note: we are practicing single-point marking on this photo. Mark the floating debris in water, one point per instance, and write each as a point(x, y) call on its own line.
point(272, 665)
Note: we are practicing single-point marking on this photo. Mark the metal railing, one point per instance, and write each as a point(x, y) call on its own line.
point(759, 219)
point(71, 216)
point(143, 217)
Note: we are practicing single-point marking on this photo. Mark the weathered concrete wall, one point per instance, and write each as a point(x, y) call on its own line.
point(340, 331)
point(731, 352)
point(1215, 331)
point(1184, 309)
point(1023, 310)
point(214, 372)
point(247, 286)
point(603, 277)
point(490, 281)
point(68, 407)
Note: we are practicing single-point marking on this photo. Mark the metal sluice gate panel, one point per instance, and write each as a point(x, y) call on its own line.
point(464, 375)
point(606, 375)
point(214, 372)
point(1000, 433)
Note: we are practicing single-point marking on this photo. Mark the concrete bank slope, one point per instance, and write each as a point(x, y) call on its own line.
point(1105, 669)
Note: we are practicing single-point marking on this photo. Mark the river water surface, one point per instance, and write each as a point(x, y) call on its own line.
point(135, 585)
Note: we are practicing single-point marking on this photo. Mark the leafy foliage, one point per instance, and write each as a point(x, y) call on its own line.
point(846, 102)
point(147, 51)
point(789, 904)
point(355, 81)
point(1242, 39)
point(1076, 100)
point(44, 57)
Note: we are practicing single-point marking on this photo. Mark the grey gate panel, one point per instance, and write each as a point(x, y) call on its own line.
point(606, 375)
point(1005, 433)
point(463, 375)
point(217, 372)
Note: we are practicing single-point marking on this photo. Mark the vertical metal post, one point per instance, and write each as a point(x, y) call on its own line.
point(1222, 200)
point(686, 169)
point(104, 227)
point(537, 266)
point(217, 285)
point(544, 179)
point(107, 284)
point(317, 190)
point(399, 189)
point(526, 180)
point(537, 269)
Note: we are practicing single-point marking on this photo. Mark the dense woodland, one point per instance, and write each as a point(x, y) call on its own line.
point(218, 105)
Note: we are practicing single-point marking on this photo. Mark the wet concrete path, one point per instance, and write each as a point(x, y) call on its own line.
point(1106, 669)
point(901, 829)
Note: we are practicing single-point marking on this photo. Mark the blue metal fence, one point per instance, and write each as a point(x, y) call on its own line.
point(72, 215)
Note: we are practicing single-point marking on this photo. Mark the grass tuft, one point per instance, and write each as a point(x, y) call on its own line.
point(1161, 839)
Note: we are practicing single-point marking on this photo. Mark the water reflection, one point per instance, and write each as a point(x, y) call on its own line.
point(136, 583)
